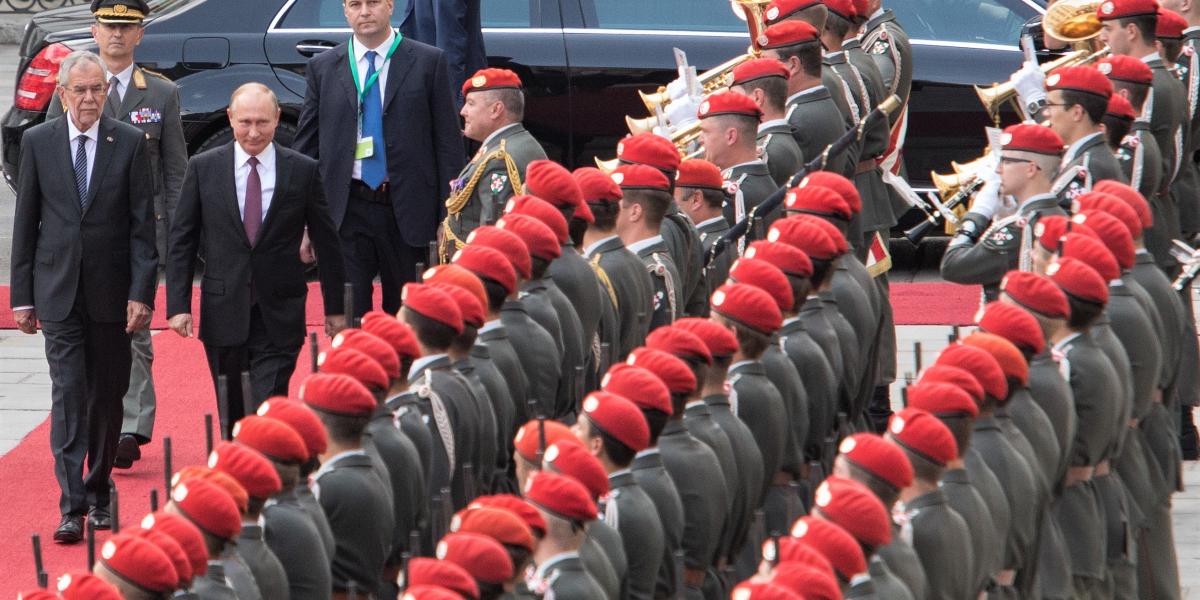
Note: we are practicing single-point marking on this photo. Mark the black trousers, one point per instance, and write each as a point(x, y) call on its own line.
point(270, 368)
point(89, 374)
point(372, 246)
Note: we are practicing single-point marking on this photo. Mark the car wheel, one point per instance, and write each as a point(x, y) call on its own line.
point(285, 133)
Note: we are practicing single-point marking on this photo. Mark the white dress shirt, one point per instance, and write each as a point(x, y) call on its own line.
point(122, 80)
point(93, 136)
point(381, 65)
point(266, 175)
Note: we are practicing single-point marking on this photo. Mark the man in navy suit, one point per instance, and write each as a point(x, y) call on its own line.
point(379, 116)
point(455, 27)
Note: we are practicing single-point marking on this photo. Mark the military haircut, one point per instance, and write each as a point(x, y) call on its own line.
point(576, 228)
point(656, 420)
point(490, 591)
point(809, 55)
point(345, 429)
point(886, 492)
point(309, 467)
point(822, 270)
point(538, 267)
point(289, 474)
point(1171, 49)
point(465, 340)
point(430, 333)
point(1049, 164)
point(774, 89)
point(1146, 25)
point(512, 99)
point(679, 402)
point(654, 204)
point(961, 427)
point(1092, 104)
point(1115, 130)
point(520, 556)
point(496, 294)
point(1083, 312)
point(254, 506)
point(1138, 92)
point(605, 215)
point(801, 288)
point(923, 468)
point(836, 25)
point(751, 342)
point(712, 198)
point(617, 452)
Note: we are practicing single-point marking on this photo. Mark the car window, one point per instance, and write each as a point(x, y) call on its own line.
point(991, 21)
point(506, 13)
point(324, 14)
point(672, 15)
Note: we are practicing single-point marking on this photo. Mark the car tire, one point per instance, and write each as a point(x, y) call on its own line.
point(285, 133)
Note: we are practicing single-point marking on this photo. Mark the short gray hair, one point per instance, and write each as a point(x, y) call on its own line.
point(72, 60)
point(254, 86)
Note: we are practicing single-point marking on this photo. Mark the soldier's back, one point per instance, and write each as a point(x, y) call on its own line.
point(268, 571)
point(632, 513)
point(652, 477)
point(360, 516)
point(942, 541)
point(294, 538)
point(535, 348)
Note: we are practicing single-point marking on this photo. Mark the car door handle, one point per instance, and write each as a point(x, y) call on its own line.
point(309, 48)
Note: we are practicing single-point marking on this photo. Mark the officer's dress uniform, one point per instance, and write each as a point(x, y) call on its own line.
point(493, 337)
point(268, 571)
point(777, 147)
point(750, 470)
point(717, 271)
point(294, 539)
point(149, 102)
point(700, 482)
point(749, 184)
point(942, 541)
point(999, 248)
point(632, 285)
point(360, 515)
point(494, 175)
point(650, 475)
point(540, 358)
point(630, 511)
point(1141, 160)
point(563, 576)
point(1166, 108)
point(667, 283)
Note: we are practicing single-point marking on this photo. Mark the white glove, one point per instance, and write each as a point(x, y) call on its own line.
point(677, 88)
point(682, 111)
point(987, 199)
point(1030, 83)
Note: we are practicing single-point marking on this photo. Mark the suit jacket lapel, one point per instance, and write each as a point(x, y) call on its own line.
point(104, 150)
point(64, 152)
point(280, 195)
point(229, 190)
point(347, 77)
point(398, 69)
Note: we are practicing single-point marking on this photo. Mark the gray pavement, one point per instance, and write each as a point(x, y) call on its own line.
point(8, 82)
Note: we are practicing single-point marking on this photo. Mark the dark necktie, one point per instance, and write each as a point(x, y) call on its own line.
point(252, 213)
point(81, 170)
point(114, 97)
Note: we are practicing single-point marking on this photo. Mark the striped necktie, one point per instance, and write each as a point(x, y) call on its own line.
point(81, 169)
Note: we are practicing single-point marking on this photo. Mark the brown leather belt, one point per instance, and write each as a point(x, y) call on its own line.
point(362, 191)
point(693, 578)
point(1077, 475)
point(865, 166)
point(1102, 468)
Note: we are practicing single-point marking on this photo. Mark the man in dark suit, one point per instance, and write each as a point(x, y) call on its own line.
point(250, 202)
point(452, 25)
point(379, 115)
point(83, 260)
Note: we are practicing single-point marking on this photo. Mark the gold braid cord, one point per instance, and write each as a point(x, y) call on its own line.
point(454, 205)
point(602, 275)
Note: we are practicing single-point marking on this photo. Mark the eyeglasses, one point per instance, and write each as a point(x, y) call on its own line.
point(95, 90)
point(1007, 160)
point(1049, 104)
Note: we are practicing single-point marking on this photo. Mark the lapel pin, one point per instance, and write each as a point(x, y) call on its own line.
point(109, 138)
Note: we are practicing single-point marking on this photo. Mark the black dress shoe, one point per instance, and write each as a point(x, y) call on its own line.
point(70, 530)
point(128, 451)
point(100, 519)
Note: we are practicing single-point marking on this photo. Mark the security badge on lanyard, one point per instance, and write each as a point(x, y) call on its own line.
point(365, 148)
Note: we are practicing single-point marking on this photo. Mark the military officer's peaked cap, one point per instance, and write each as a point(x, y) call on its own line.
point(491, 79)
point(618, 417)
point(561, 495)
point(789, 259)
point(1037, 293)
point(337, 394)
point(1124, 9)
point(728, 103)
point(120, 11)
point(432, 303)
point(877, 456)
point(639, 384)
point(749, 306)
point(924, 435)
point(942, 399)
point(1013, 324)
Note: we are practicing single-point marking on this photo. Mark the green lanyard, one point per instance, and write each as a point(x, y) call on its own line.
point(363, 89)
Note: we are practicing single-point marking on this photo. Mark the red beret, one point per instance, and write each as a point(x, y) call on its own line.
point(539, 239)
point(1121, 9)
point(720, 340)
point(842, 8)
point(481, 556)
point(1125, 68)
point(924, 435)
point(500, 524)
point(861, 9)
point(275, 439)
point(671, 369)
point(640, 177)
point(779, 10)
point(1092, 252)
point(817, 200)
point(853, 507)
point(561, 496)
point(378, 350)
point(491, 79)
point(1051, 228)
point(955, 376)
point(429, 592)
point(248, 466)
point(443, 573)
point(1013, 324)
point(596, 185)
point(1170, 25)
point(979, 363)
point(300, 418)
point(351, 362)
point(398, 335)
point(432, 303)
point(788, 33)
point(789, 259)
point(699, 173)
point(517, 506)
point(1027, 137)
point(541, 210)
point(840, 245)
point(85, 586)
point(1085, 78)
point(1012, 362)
point(877, 456)
point(679, 342)
point(1131, 197)
point(790, 550)
point(460, 277)
point(570, 458)
point(529, 437)
point(766, 277)
point(168, 545)
point(208, 507)
point(185, 533)
point(1036, 293)
point(553, 183)
point(844, 187)
point(758, 68)
point(813, 582)
point(1113, 233)
point(640, 385)
point(507, 243)
point(468, 305)
point(583, 212)
point(763, 590)
point(619, 417)
point(1113, 205)
point(804, 235)
point(221, 479)
point(649, 149)
point(834, 543)
point(749, 306)
point(36, 594)
point(942, 399)
point(337, 395)
point(489, 263)
point(139, 562)
point(1120, 108)
point(728, 103)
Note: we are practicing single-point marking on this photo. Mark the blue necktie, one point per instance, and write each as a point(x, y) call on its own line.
point(374, 168)
point(81, 170)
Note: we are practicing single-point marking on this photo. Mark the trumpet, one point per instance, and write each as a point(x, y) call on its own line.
point(1072, 20)
point(686, 140)
point(993, 98)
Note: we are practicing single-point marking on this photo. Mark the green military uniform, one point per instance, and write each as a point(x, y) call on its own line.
point(852, 363)
point(667, 291)
point(494, 175)
point(1167, 110)
point(489, 443)
point(650, 475)
point(748, 185)
point(632, 286)
point(406, 476)
point(886, 42)
point(749, 468)
point(1020, 489)
point(942, 541)
point(999, 248)
point(360, 515)
point(756, 401)
point(1187, 66)
point(777, 147)
point(268, 571)
point(964, 499)
point(812, 316)
point(820, 382)
point(575, 345)
point(603, 540)
point(782, 504)
point(683, 244)
point(493, 337)
point(293, 538)
point(502, 407)
point(536, 299)
point(536, 349)
point(213, 584)
point(564, 577)
point(1092, 153)
point(579, 284)
point(903, 561)
point(886, 583)
point(717, 270)
point(816, 123)
point(877, 214)
point(1141, 160)
point(630, 511)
